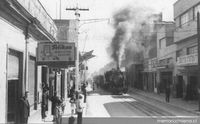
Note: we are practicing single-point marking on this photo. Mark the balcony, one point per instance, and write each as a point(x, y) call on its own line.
point(186, 31)
point(187, 60)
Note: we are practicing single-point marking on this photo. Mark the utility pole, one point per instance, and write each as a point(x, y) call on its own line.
point(198, 42)
point(77, 14)
point(60, 8)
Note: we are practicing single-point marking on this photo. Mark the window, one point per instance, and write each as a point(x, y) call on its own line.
point(184, 19)
point(162, 43)
point(196, 9)
point(179, 53)
point(192, 50)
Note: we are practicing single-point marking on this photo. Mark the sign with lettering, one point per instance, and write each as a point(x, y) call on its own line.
point(191, 59)
point(55, 52)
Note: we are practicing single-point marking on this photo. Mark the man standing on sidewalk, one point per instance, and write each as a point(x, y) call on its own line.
point(167, 91)
point(25, 108)
point(83, 88)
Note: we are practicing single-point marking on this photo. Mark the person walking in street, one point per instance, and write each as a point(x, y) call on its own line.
point(25, 108)
point(167, 92)
point(79, 109)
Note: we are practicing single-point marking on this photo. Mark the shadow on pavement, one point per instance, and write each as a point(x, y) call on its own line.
point(98, 92)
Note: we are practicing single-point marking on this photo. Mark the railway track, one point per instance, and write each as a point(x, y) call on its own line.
point(146, 108)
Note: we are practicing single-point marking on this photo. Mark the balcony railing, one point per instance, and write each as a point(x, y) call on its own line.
point(35, 8)
point(191, 59)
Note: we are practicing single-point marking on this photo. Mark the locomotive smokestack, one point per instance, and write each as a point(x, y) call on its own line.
point(117, 65)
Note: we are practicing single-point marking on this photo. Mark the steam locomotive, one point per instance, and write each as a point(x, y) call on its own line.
point(115, 81)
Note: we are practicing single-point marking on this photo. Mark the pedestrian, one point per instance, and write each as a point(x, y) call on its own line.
point(198, 89)
point(73, 104)
point(167, 92)
point(44, 104)
point(25, 108)
point(84, 91)
point(79, 109)
point(58, 113)
point(55, 101)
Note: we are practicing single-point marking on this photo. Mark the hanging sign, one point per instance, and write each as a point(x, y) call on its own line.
point(56, 54)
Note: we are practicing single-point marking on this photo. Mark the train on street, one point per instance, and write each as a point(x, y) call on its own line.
point(113, 81)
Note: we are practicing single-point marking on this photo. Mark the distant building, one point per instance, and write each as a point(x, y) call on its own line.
point(166, 56)
point(150, 53)
point(185, 37)
point(67, 31)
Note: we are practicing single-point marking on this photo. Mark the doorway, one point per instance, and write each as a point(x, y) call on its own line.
point(179, 87)
point(12, 101)
point(14, 85)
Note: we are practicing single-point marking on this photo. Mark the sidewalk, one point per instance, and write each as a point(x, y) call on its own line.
point(189, 106)
point(67, 111)
point(35, 116)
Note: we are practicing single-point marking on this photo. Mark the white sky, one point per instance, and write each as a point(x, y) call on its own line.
point(96, 36)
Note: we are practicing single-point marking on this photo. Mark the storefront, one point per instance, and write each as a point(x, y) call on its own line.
point(19, 72)
point(187, 76)
point(150, 75)
point(165, 70)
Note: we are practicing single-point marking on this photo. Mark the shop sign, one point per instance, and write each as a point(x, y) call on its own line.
point(188, 60)
point(55, 52)
point(151, 64)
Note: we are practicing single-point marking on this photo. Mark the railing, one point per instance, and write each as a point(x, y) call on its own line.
point(35, 8)
point(191, 59)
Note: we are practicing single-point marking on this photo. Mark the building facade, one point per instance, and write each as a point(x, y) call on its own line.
point(23, 24)
point(166, 52)
point(185, 37)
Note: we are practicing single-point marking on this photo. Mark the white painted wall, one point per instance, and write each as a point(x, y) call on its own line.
point(3, 81)
point(14, 38)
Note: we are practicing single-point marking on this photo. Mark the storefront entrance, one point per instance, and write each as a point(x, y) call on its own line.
point(165, 77)
point(191, 90)
point(179, 87)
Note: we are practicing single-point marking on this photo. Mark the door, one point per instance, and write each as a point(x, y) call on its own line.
point(12, 101)
point(193, 85)
point(14, 85)
point(166, 77)
point(179, 87)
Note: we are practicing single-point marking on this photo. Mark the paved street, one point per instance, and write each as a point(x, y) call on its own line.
point(107, 108)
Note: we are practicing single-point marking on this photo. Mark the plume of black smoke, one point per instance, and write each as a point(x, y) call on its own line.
point(133, 28)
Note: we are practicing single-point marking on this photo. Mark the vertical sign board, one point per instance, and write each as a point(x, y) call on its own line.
point(57, 54)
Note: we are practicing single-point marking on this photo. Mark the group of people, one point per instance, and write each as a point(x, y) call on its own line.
point(77, 99)
point(56, 107)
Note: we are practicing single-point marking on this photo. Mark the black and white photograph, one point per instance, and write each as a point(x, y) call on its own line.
point(100, 61)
